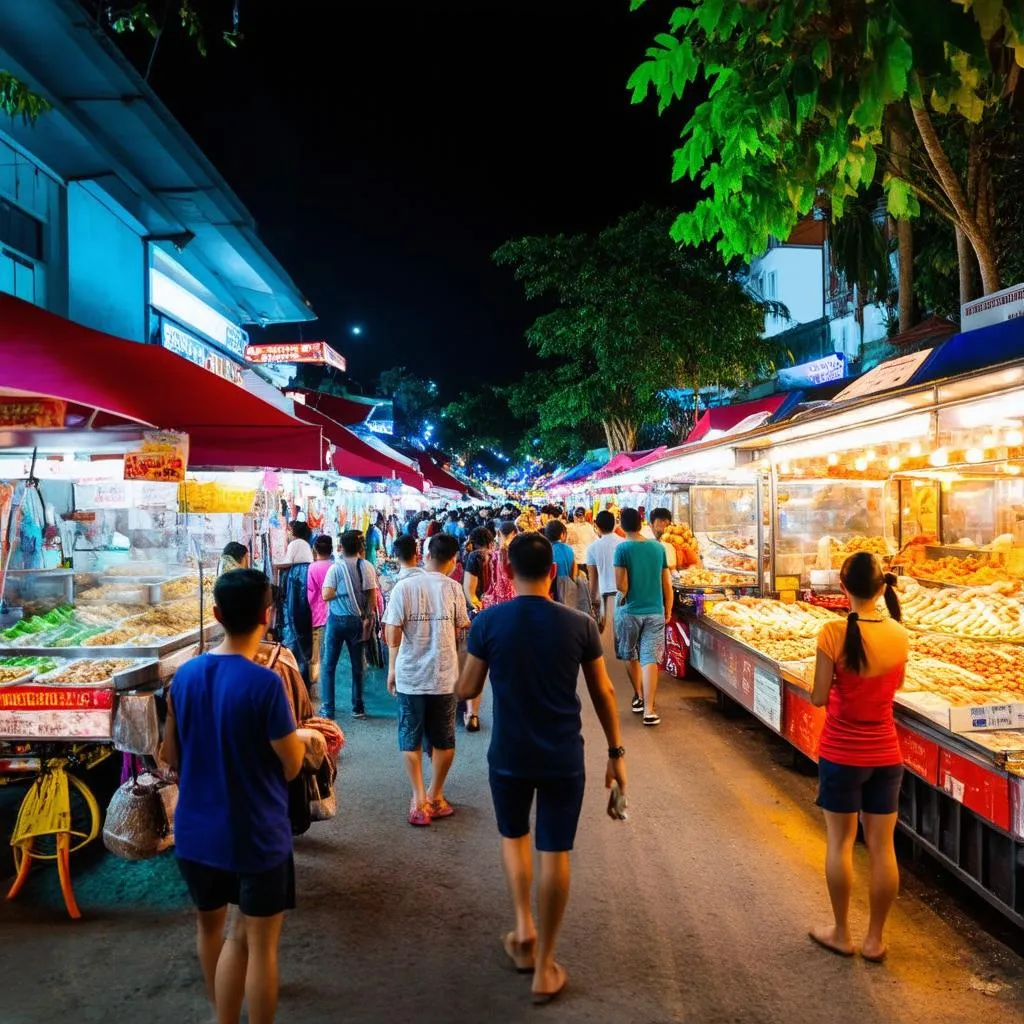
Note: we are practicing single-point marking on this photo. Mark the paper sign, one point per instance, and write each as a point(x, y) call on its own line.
point(32, 413)
point(768, 697)
point(893, 373)
point(163, 457)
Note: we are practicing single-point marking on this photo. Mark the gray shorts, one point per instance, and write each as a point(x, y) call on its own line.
point(639, 637)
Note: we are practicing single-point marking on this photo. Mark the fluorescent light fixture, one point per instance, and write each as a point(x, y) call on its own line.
point(904, 428)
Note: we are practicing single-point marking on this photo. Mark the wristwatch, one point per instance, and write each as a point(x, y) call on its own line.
point(614, 753)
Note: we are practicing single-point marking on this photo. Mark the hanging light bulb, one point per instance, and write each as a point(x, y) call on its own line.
point(1013, 470)
point(939, 457)
point(1014, 438)
point(833, 459)
point(784, 468)
point(870, 455)
point(974, 455)
point(915, 450)
point(893, 463)
point(860, 465)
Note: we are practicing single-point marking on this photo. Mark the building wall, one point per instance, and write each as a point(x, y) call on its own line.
point(106, 268)
point(792, 275)
point(846, 334)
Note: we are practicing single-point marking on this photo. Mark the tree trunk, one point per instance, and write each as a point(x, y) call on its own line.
point(965, 256)
point(905, 247)
point(965, 218)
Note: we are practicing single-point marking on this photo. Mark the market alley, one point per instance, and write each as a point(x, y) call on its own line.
point(694, 910)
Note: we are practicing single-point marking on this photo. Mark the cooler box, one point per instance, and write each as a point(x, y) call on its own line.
point(677, 649)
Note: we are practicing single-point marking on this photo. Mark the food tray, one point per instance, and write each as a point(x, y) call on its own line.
point(929, 631)
point(135, 676)
point(167, 645)
point(26, 677)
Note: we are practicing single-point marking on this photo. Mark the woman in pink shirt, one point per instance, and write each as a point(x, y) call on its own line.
point(323, 558)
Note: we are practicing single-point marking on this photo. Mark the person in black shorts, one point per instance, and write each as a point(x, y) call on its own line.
point(534, 648)
point(232, 738)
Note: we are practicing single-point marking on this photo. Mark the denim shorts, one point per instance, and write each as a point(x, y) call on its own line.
point(639, 637)
point(845, 789)
point(426, 715)
point(559, 802)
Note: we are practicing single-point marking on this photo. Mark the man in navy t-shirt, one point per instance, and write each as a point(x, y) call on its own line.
point(231, 736)
point(534, 649)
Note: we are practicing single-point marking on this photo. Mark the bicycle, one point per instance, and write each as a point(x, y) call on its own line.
point(59, 814)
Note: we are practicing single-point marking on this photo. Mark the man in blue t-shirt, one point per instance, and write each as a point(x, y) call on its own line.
point(643, 608)
point(534, 649)
point(231, 736)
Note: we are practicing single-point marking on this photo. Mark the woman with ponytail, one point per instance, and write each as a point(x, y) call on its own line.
point(860, 666)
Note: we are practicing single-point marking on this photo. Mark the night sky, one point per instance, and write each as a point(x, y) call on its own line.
point(387, 147)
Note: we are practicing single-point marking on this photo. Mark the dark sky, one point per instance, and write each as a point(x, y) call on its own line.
point(387, 147)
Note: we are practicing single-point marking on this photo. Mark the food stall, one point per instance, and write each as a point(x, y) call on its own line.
point(930, 477)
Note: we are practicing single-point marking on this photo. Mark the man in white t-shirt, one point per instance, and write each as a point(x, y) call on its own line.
point(424, 614)
point(600, 561)
point(581, 535)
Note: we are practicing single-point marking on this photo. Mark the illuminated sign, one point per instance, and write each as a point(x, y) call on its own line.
point(189, 347)
point(166, 295)
point(993, 309)
point(35, 413)
point(296, 352)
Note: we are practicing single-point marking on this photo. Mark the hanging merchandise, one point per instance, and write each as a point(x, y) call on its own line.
point(28, 553)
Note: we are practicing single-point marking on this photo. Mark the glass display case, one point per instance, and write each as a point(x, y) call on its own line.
point(724, 519)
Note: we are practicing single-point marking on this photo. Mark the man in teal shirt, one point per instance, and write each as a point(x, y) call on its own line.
point(643, 608)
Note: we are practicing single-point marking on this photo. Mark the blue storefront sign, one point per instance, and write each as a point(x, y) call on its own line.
point(818, 371)
point(179, 341)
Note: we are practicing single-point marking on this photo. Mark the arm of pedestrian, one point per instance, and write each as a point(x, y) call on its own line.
point(371, 600)
point(328, 594)
point(667, 593)
point(393, 635)
point(824, 671)
point(595, 593)
point(602, 696)
point(169, 751)
point(622, 580)
point(291, 752)
point(471, 680)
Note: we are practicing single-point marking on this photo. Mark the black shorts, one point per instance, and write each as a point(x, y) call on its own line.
point(264, 894)
point(559, 802)
point(426, 716)
point(846, 789)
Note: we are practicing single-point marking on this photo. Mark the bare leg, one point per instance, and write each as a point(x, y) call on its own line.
point(517, 859)
point(231, 970)
point(885, 879)
point(209, 942)
point(633, 670)
point(261, 981)
point(414, 766)
point(552, 897)
point(842, 833)
point(441, 760)
point(472, 708)
point(650, 676)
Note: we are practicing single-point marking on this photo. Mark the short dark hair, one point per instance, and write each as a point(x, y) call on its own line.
point(301, 530)
point(605, 521)
point(352, 542)
point(508, 529)
point(580, 513)
point(233, 549)
point(481, 538)
point(443, 547)
point(555, 530)
point(661, 513)
point(405, 548)
point(630, 519)
point(241, 597)
point(324, 545)
point(531, 556)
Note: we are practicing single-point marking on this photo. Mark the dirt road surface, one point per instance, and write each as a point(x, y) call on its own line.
point(695, 910)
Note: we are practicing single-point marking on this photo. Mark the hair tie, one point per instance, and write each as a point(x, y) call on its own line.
point(852, 617)
point(890, 579)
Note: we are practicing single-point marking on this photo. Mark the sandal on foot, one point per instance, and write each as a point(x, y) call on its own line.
point(440, 808)
point(472, 723)
point(520, 953)
point(838, 950)
point(652, 718)
point(543, 998)
point(419, 816)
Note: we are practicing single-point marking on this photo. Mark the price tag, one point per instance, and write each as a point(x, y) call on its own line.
point(768, 697)
point(697, 650)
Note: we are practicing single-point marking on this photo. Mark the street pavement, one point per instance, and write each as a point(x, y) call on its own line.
point(694, 910)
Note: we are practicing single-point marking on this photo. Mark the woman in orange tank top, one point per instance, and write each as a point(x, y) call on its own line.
point(860, 666)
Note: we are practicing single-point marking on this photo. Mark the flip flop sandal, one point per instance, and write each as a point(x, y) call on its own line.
point(831, 949)
point(515, 952)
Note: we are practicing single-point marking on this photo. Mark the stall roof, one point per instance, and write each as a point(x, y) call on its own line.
point(973, 350)
point(44, 354)
point(724, 418)
point(353, 457)
point(348, 410)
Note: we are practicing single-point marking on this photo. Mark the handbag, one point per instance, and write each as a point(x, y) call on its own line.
point(139, 820)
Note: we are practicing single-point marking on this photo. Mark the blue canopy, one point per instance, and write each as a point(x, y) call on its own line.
point(973, 350)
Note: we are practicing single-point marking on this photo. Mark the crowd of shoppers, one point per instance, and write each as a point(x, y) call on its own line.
point(231, 732)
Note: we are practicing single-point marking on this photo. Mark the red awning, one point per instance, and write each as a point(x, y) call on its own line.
point(346, 411)
point(353, 456)
point(726, 417)
point(440, 477)
point(44, 354)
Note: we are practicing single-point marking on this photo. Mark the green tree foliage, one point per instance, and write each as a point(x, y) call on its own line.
point(803, 98)
point(479, 426)
point(634, 314)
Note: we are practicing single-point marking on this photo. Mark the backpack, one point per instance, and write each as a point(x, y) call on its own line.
point(573, 592)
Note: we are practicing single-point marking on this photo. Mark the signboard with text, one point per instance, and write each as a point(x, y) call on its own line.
point(893, 373)
point(163, 457)
point(295, 352)
point(996, 308)
point(32, 413)
point(37, 711)
point(819, 371)
point(188, 346)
